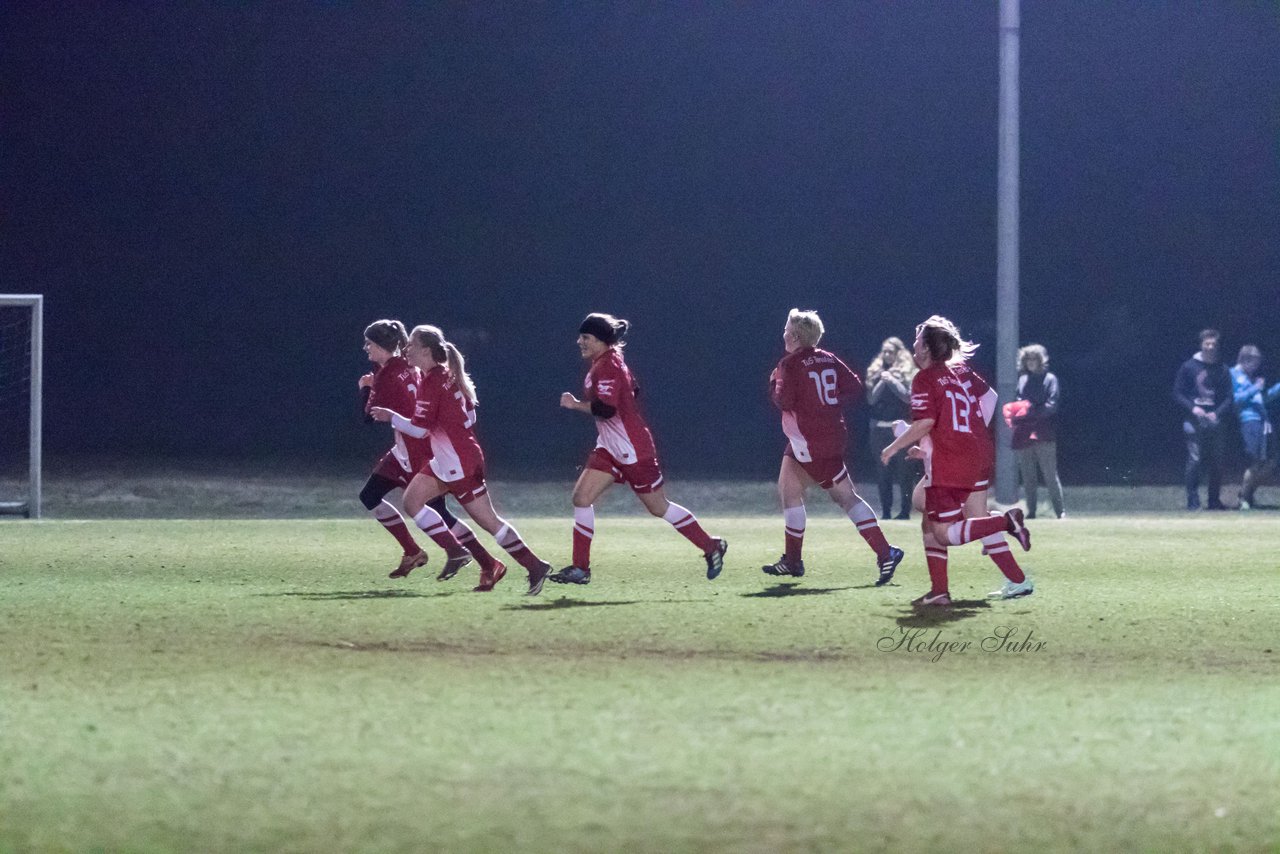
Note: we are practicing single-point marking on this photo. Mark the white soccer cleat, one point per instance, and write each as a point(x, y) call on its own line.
point(1014, 591)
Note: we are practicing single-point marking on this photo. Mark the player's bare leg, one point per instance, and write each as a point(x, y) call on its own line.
point(592, 483)
point(713, 548)
point(864, 519)
point(481, 510)
point(424, 488)
point(793, 483)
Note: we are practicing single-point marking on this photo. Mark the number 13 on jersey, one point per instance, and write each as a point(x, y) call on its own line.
point(959, 411)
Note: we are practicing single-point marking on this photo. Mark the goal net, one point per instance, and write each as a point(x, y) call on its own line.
point(21, 333)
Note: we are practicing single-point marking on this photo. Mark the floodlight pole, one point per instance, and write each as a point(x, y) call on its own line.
point(1007, 248)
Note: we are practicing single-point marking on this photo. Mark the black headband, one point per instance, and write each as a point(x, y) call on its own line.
point(600, 328)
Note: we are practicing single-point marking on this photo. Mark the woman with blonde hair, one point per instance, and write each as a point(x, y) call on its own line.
point(889, 399)
point(394, 385)
point(1035, 428)
point(446, 412)
point(949, 408)
point(812, 387)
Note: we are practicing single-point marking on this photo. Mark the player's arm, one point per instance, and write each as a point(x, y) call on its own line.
point(594, 407)
point(784, 390)
point(848, 384)
point(398, 421)
point(917, 431)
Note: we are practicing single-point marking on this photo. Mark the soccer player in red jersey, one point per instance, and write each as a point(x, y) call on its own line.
point(445, 412)
point(812, 387)
point(959, 462)
point(624, 451)
point(394, 385)
point(1017, 583)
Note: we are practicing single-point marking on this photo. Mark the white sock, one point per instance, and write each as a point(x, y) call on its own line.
point(794, 519)
point(584, 521)
point(677, 515)
point(430, 521)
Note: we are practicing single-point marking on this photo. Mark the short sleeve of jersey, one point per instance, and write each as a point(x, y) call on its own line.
point(784, 390)
point(980, 385)
point(848, 384)
point(923, 404)
point(610, 382)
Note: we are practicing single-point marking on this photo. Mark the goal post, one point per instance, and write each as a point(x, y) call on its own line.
point(21, 379)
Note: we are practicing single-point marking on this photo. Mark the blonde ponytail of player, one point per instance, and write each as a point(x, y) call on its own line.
point(444, 353)
point(458, 370)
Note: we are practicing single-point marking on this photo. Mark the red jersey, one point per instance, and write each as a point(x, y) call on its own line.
point(978, 389)
point(624, 434)
point(812, 387)
point(448, 416)
point(395, 387)
point(962, 450)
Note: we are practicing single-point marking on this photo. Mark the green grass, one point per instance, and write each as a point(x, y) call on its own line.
point(262, 686)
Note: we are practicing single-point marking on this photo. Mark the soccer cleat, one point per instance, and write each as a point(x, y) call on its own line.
point(715, 557)
point(935, 599)
point(888, 564)
point(452, 565)
point(408, 564)
point(1016, 525)
point(1245, 504)
point(571, 575)
point(537, 577)
point(489, 578)
point(785, 568)
point(1012, 591)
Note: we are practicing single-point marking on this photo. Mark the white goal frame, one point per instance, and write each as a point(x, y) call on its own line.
point(31, 507)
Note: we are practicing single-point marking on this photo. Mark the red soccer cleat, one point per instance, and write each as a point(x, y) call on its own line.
point(408, 564)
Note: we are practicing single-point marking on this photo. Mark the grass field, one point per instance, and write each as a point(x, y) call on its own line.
point(262, 686)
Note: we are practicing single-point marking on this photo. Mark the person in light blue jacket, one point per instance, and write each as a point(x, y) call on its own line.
point(1251, 399)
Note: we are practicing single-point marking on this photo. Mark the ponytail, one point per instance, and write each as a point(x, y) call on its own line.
point(444, 353)
point(942, 339)
point(458, 370)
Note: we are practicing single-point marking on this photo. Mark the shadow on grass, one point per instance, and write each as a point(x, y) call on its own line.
point(929, 616)
point(793, 589)
point(563, 602)
point(360, 594)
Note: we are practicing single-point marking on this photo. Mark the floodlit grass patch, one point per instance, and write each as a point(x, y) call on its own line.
point(262, 685)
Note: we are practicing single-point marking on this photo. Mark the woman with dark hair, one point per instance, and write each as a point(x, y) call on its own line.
point(444, 413)
point(959, 459)
point(624, 452)
point(394, 385)
point(888, 400)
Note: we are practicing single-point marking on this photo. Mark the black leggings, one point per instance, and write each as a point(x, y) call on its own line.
point(377, 487)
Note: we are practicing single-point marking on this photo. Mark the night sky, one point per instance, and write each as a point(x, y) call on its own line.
point(216, 199)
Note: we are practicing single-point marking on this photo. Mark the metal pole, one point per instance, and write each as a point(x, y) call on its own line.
point(37, 421)
point(1007, 247)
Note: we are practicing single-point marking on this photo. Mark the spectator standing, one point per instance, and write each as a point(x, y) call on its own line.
point(1203, 389)
point(1251, 399)
point(888, 400)
point(1035, 430)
